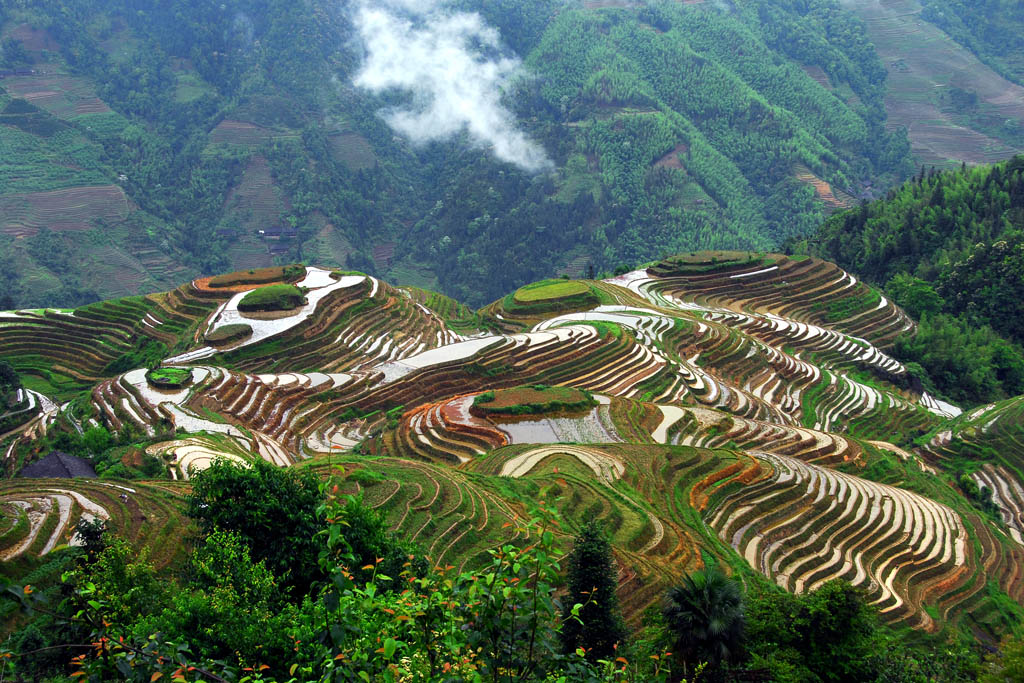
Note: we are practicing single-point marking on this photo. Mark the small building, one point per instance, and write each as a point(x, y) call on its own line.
point(58, 465)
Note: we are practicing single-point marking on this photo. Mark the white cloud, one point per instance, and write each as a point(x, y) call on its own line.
point(437, 57)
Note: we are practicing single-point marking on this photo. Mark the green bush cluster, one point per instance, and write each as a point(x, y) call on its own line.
point(949, 248)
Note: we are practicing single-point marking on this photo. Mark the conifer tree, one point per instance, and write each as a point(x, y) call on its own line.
point(592, 582)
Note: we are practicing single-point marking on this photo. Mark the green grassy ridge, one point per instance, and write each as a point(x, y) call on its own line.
point(169, 378)
point(554, 296)
point(289, 273)
point(547, 290)
point(709, 262)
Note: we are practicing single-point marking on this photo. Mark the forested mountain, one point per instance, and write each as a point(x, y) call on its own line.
point(949, 247)
point(145, 142)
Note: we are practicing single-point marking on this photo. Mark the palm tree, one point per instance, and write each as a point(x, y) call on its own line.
point(705, 619)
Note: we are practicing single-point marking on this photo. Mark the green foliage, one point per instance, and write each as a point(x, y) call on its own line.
point(274, 511)
point(96, 440)
point(592, 579)
point(272, 298)
point(125, 581)
point(367, 545)
point(828, 634)
point(986, 285)
point(1007, 665)
point(9, 380)
point(968, 364)
point(92, 532)
point(950, 248)
point(498, 623)
point(232, 608)
point(914, 295)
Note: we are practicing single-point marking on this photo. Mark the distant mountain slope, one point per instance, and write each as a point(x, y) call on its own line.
point(954, 106)
point(217, 123)
point(992, 29)
point(159, 141)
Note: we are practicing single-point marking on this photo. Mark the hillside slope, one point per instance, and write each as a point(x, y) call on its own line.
point(954, 106)
point(948, 246)
point(733, 405)
point(155, 141)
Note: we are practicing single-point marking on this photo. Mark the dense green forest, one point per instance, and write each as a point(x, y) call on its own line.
point(992, 29)
point(228, 118)
point(949, 247)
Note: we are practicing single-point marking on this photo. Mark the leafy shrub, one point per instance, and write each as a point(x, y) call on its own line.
point(274, 510)
point(498, 623)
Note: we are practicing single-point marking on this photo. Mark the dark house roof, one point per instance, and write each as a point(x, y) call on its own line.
point(58, 465)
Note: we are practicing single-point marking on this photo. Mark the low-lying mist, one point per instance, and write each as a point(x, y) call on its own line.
point(456, 69)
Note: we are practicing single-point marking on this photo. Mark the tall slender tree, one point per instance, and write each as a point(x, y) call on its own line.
point(592, 582)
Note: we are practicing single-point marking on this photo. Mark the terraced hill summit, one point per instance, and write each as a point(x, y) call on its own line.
point(730, 405)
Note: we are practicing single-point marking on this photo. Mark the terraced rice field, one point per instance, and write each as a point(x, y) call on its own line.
point(922, 62)
point(257, 196)
point(747, 409)
point(47, 510)
point(239, 133)
point(807, 525)
point(71, 209)
point(62, 95)
point(834, 198)
point(353, 150)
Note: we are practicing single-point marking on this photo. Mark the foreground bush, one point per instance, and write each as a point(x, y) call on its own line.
point(498, 623)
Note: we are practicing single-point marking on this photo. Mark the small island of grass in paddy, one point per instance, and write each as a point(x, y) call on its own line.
point(272, 298)
point(536, 399)
point(169, 378)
